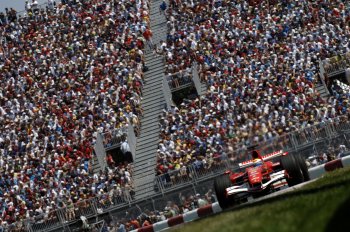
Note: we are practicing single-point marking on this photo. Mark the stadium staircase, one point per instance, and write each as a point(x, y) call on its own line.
point(153, 103)
point(323, 91)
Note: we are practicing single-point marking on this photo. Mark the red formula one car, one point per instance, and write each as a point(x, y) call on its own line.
point(260, 176)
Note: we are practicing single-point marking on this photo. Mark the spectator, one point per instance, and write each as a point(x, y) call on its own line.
point(162, 7)
point(342, 150)
point(121, 227)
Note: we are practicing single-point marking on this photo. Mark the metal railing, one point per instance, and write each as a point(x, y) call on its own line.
point(114, 137)
point(179, 80)
point(336, 65)
point(322, 77)
point(98, 226)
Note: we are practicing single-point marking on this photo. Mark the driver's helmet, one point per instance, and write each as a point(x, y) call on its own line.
point(257, 162)
point(257, 159)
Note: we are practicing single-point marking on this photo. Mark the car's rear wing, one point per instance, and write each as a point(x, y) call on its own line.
point(264, 158)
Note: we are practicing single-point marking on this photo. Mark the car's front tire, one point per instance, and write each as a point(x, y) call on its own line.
point(303, 167)
point(220, 185)
point(291, 165)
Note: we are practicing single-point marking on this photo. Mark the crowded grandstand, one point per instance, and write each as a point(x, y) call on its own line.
point(72, 70)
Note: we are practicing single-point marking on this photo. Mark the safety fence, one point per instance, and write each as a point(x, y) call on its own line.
point(63, 217)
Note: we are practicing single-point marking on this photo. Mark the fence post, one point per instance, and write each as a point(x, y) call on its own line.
point(293, 141)
point(195, 174)
point(93, 202)
point(160, 184)
point(61, 217)
point(28, 226)
point(329, 130)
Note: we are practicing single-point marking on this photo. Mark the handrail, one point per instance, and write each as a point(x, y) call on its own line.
point(332, 68)
point(322, 77)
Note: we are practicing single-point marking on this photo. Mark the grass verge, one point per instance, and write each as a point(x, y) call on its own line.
point(323, 205)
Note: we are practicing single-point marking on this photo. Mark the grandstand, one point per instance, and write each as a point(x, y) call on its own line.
point(108, 107)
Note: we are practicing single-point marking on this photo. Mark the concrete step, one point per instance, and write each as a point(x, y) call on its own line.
point(155, 74)
point(148, 136)
point(153, 97)
point(142, 189)
point(150, 94)
point(155, 86)
point(151, 107)
point(152, 90)
point(159, 29)
point(158, 22)
point(154, 62)
point(149, 127)
point(146, 149)
point(146, 158)
point(151, 131)
point(153, 116)
point(155, 105)
point(151, 80)
point(149, 142)
point(145, 168)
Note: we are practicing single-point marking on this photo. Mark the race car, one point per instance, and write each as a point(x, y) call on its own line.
point(260, 176)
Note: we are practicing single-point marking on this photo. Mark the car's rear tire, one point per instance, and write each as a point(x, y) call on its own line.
point(220, 185)
point(303, 167)
point(291, 165)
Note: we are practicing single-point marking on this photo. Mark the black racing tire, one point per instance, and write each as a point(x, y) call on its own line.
point(303, 167)
point(220, 185)
point(291, 165)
